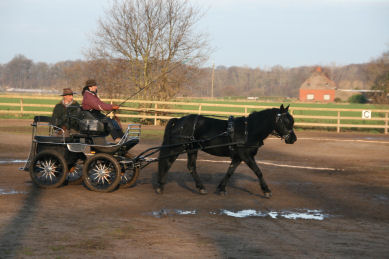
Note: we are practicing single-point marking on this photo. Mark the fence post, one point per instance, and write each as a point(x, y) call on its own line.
point(386, 123)
point(199, 109)
point(21, 105)
point(245, 111)
point(155, 114)
point(338, 123)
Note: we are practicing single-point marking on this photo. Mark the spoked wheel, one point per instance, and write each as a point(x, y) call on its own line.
point(48, 169)
point(129, 174)
point(101, 173)
point(75, 172)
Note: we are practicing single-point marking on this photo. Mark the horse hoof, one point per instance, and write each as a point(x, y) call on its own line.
point(267, 195)
point(159, 190)
point(203, 191)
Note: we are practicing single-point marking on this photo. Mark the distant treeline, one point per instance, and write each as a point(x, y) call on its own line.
point(22, 72)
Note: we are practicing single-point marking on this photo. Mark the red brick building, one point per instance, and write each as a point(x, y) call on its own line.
point(318, 87)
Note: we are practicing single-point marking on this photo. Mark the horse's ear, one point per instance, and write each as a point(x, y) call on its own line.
point(287, 107)
point(282, 108)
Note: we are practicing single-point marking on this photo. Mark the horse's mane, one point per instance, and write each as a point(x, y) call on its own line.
point(261, 114)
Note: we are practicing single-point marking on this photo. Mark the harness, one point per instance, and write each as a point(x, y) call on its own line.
point(189, 146)
point(230, 132)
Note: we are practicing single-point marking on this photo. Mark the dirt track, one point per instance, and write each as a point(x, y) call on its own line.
point(345, 181)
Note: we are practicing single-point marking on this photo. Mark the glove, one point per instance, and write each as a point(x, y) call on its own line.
point(115, 107)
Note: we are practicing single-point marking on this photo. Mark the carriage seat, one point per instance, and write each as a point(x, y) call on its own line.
point(41, 119)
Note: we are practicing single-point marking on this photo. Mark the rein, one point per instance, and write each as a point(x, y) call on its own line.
point(189, 145)
point(153, 150)
point(153, 111)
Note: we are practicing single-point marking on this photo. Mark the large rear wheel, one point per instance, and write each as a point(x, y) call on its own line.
point(48, 169)
point(101, 173)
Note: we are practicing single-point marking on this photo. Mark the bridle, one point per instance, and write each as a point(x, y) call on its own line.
point(280, 130)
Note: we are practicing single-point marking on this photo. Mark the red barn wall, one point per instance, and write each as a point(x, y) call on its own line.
point(318, 94)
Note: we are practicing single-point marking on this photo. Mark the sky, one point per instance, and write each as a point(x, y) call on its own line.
point(252, 33)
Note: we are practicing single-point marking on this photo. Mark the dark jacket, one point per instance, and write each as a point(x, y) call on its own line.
point(66, 116)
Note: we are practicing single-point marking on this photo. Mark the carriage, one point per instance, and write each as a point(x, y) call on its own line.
point(103, 166)
point(56, 159)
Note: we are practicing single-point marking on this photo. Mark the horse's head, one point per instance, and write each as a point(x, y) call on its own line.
point(284, 125)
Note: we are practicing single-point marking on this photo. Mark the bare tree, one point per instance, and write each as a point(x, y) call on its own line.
point(380, 69)
point(17, 72)
point(154, 37)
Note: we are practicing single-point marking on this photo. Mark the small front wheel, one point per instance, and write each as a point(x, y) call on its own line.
point(48, 169)
point(129, 176)
point(129, 173)
point(75, 172)
point(101, 173)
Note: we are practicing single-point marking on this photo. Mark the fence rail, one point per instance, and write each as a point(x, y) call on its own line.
point(158, 110)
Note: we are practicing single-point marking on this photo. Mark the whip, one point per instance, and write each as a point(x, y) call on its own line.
point(153, 81)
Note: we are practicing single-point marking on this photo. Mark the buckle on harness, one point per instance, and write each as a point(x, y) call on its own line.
point(230, 126)
point(230, 131)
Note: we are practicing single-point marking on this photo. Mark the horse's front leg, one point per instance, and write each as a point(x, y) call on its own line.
point(192, 157)
point(253, 166)
point(221, 188)
point(165, 161)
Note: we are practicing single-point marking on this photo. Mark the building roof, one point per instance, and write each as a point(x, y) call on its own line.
point(318, 80)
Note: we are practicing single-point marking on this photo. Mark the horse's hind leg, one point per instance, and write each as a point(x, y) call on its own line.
point(164, 164)
point(253, 166)
point(192, 157)
point(221, 188)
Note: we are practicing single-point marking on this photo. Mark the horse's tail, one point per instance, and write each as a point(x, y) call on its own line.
point(167, 134)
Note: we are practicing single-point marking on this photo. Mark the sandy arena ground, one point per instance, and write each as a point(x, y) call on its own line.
point(330, 200)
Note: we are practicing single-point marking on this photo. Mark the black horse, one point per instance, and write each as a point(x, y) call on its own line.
point(238, 138)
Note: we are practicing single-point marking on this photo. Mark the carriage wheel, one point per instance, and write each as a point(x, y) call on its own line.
point(101, 173)
point(48, 169)
point(75, 173)
point(129, 175)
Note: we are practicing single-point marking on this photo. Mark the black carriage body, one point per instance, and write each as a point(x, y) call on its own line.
point(48, 143)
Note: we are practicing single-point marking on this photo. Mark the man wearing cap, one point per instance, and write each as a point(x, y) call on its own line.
point(65, 113)
point(92, 103)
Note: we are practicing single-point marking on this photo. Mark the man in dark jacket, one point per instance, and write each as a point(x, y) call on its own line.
point(66, 112)
point(93, 105)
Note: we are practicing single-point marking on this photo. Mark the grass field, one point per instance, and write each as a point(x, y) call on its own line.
point(9, 103)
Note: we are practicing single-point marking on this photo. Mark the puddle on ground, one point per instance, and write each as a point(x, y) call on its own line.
point(11, 161)
point(167, 212)
point(7, 192)
point(298, 214)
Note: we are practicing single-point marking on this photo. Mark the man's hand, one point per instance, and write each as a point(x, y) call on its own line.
point(115, 107)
